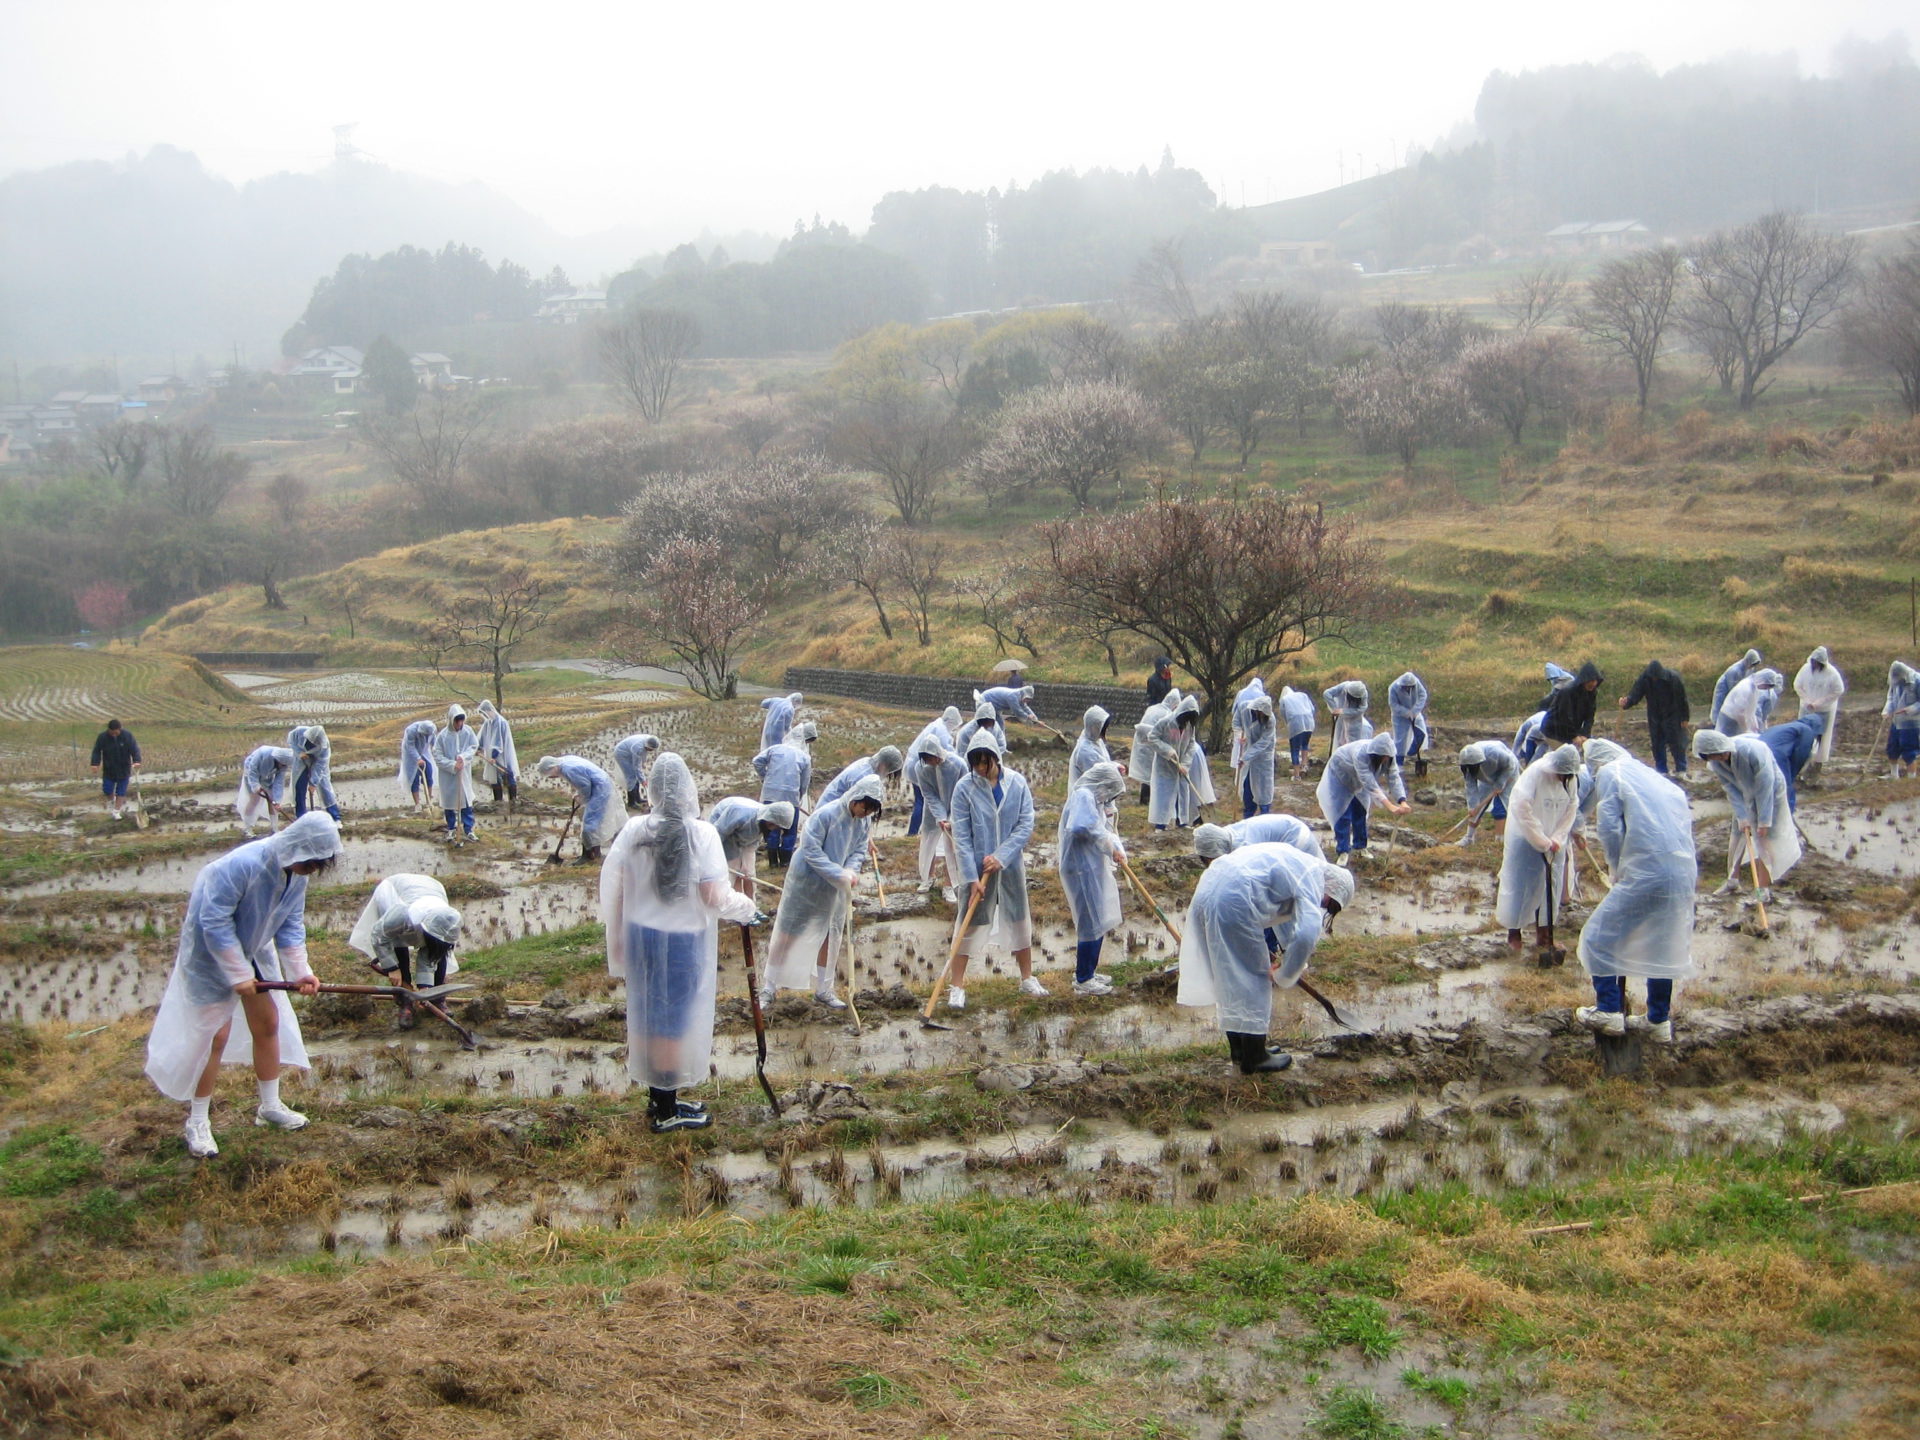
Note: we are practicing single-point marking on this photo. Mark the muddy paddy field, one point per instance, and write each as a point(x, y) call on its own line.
point(1059, 1217)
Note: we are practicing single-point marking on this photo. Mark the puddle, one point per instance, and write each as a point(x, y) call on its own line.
point(81, 989)
point(1885, 838)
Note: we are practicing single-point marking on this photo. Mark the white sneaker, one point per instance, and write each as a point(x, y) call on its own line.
point(949, 894)
point(279, 1117)
point(829, 999)
point(1601, 1022)
point(1031, 985)
point(1342, 861)
point(200, 1139)
point(925, 887)
point(1096, 986)
point(956, 998)
point(1661, 1034)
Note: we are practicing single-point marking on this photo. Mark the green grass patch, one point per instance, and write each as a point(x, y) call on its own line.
point(45, 1161)
point(550, 960)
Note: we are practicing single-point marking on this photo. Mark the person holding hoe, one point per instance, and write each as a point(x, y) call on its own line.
point(408, 915)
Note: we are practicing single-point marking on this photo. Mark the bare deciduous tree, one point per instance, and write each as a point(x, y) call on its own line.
point(1513, 377)
point(917, 565)
point(1008, 608)
point(1628, 308)
point(196, 475)
point(1534, 297)
point(1882, 327)
point(643, 351)
point(768, 513)
point(1402, 410)
point(1757, 291)
point(1161, 281)
point(1076, 437)
point(121, 450)
point(1225, 587)
point(911, 440)
point(754, 427)
point(510, 607)
point(689, 606)
point(427, 447)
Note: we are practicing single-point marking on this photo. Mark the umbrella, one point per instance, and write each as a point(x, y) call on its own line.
point(1008, 667)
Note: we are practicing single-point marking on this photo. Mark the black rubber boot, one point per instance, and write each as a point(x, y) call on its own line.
point(1250, 1053)
point(589, 856)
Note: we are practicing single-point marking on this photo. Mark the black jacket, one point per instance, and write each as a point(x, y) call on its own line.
point(1665, 693)
point(1570, 711)
point(115, 754)
point(1157, 687)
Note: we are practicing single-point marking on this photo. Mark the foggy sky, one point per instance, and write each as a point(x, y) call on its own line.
point(679, 116)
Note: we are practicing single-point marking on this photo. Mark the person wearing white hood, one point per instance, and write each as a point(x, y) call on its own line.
point(1644, 925)
point(1351, 785)
point(986, 717)
point(632, 755)
point(786, 773)
point(1140, 758)
point(884, 764)
point(499, 761)
point(1257, 759)
point(1091, 748)
point(262, 776)
point(1749, 703)
point(408, 913)
point(1253, 689)
point(1296, 709)
point(416, 759)
point(1010, 702)
point(1407, 702)
point(1210, 842)
point(1179, 767)
point(743, 825)
point(1764, 835)
point(1729, 678)
point(937, 772)
point(1489, 770)
point(1819, 686)
point(992, 823)
point(783, 711)
point(245, 922)
point(663, 894)
point(601, 813)
point(1347, 706)
point(1541, 814)
point(1087, 850)
point(940, 730)
point(313, 759)
point(1252, 925)
point(1903, 719)
point(818, 895)
point(454, 749)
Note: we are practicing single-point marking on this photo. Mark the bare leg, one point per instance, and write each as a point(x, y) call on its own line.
point(1024, 959)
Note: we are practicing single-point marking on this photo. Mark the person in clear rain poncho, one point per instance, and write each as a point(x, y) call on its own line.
point(1086, 854)
point(1542, 811)
point(1296, 712)
point(1558, 677)
point(1903, 720)
point(1764, 836)
point(1644, 925)
point(1249, 692)
point(1793, 744)
point(941, 731)
point(1526, 740)
point(1010, 702)
point(663, 894)
point(1358, 776)
point(783, 712)
point(601, 813)
point(937, 771)
point(499, 761)
point(1140, 757)
point(1729, 678)
point(1252, 925)
point(632, 755)
point(416, 759)
point(1257, 759)
point(263, 774)
point(245, 922)
point(313, 769)
point(1180, 786)
point(404, 915)
point(1750, 703)
point(1407, 703)
point(883, 764)
point(1490, 770)
point(818, 898)
point(744, 825)
point(992, 823)
point(984, 716)
point(1091, 748)
point(1210, 842)
point(786, 773)
point(1819, 686)
point(454, 749)
point(1347, 705)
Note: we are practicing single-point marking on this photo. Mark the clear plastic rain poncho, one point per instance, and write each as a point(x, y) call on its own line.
point(1729, 678)
point(738, 821)
point(786, 770)
point(602, 810)
point(1223, 951)
point(782, 711)
point(819, 888)
point(1407, 703)
point(1210, 842)
point(1087, 850)
point(1819, 686)
point(1091, 748)
point(939, 731)
point(663, 892)
point(416, 745)
point(1177, 793)
point(1296, 709)
point(1903, 695)
point(630, 754)
point(1257, 758)
point(499, 761)
point(266, 768)
point(1644, 924)
point(1489, 769)
point(453, 755)
point(1350, 776)
point(1014, 700)
point(403, 910)
point(936, 784)
point(1249, 692)
point(246, 920)
point(984, 715)
point(1542, 811)
point(983, 826)
point(313, 751)
point(1558, 676)
point(1749, 704)
point(1526, 740)
point(1758, 793)
point(1347, 703)
point(1140, 757)
point(883, 765)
